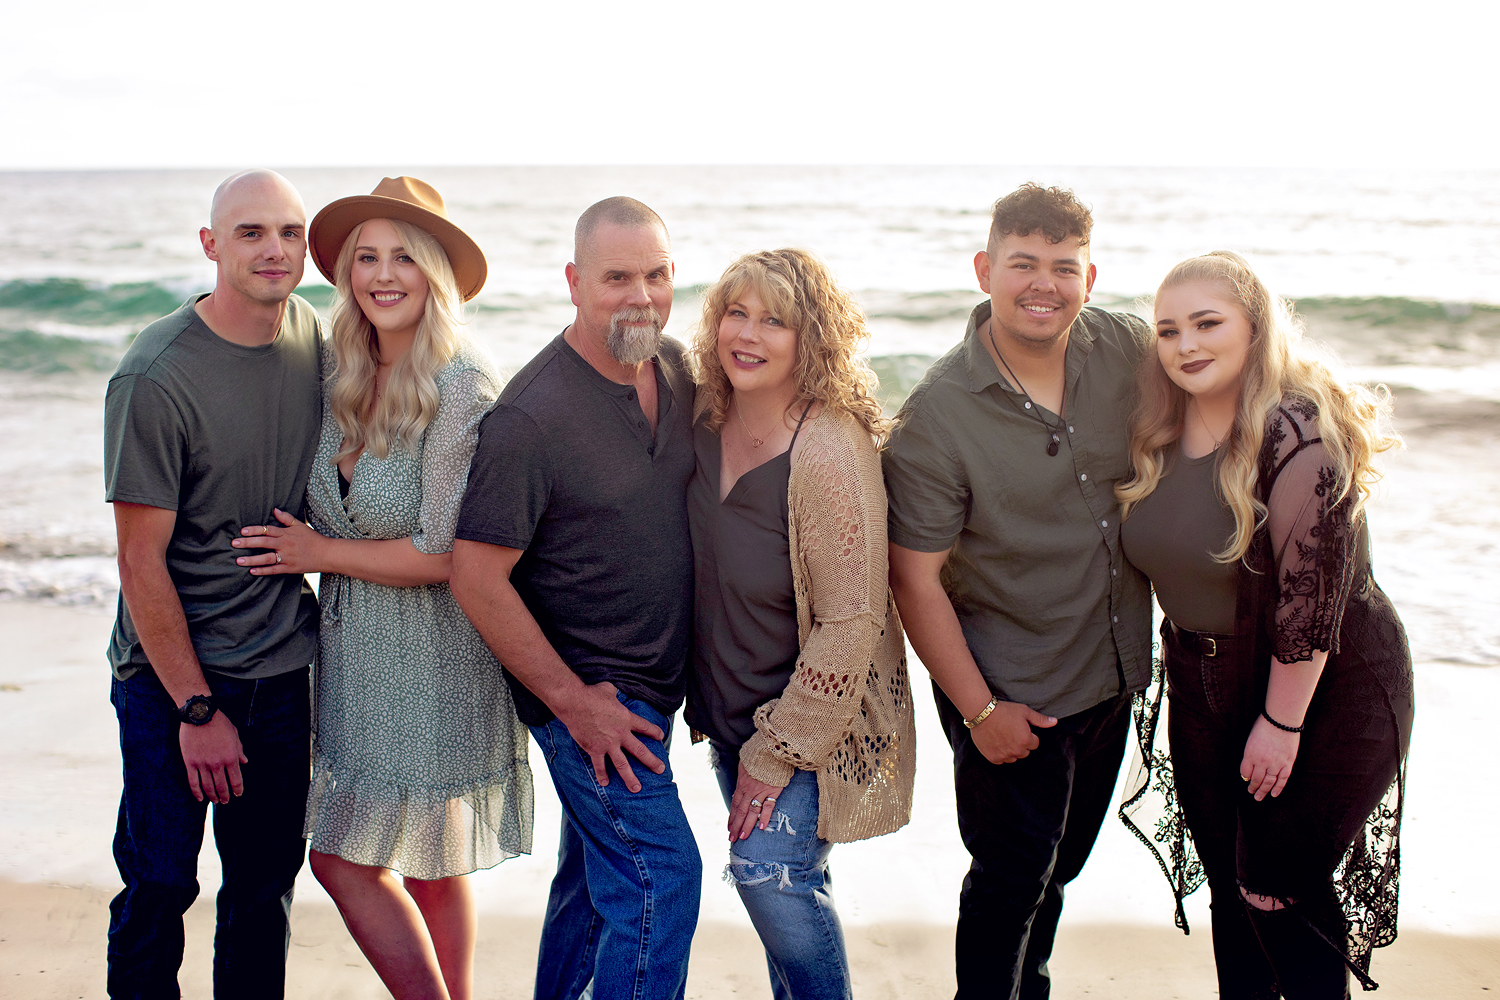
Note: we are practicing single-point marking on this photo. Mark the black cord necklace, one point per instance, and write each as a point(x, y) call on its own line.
point(1054, 432)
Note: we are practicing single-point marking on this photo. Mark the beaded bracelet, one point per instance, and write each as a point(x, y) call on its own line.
point(971, 723)
point(1280, 726)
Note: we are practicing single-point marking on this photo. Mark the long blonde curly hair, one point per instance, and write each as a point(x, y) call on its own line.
point(410, 400)
point(796, 286)
point(1352, 419)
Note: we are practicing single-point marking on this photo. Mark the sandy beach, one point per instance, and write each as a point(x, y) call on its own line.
point(59, 787)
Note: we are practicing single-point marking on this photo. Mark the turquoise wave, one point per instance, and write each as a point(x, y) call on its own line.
point(52, 325)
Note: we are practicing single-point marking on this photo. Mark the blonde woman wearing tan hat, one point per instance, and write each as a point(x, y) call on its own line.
point(419, 760)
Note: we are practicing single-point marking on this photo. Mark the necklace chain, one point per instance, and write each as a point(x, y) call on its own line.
point(1053, 431)
point(755, 442)
point(1204, 421)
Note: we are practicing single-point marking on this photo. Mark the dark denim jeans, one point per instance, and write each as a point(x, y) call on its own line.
point(624, 901)
point(160, 831)
point(782, 876)
point(1029, 827)
point(1286, 846)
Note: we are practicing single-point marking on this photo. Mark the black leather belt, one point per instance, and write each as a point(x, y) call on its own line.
point(1202, 643)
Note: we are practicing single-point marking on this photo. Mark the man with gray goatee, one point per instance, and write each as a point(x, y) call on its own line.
point(573, 561)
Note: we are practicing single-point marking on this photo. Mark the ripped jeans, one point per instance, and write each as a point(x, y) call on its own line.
point(782, 877)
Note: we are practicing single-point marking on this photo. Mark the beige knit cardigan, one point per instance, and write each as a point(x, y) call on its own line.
point(847, 710)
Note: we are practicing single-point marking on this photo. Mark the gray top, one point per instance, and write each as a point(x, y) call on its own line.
point(744, 606)
point(221, 434)
point(1049, 607)
point(567, 469)
point(1170, 537)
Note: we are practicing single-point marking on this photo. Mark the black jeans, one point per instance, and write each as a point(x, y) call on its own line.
point(160, 829)
point(1288, 846)
point(1029, 827)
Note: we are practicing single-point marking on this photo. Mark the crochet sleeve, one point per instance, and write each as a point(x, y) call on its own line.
point(840, 524)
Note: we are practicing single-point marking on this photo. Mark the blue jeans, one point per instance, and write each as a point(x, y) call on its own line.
point(782, 877)
point(160, 830)
point(624, 901)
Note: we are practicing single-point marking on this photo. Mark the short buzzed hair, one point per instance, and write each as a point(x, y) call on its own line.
point(626, 213)
point(1054, 212)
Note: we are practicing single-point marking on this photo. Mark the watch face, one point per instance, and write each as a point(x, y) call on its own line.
point(198, 710)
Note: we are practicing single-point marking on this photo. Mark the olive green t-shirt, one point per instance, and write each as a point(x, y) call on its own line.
point(1054, 615)
point(1171, 537)
point(221, 434)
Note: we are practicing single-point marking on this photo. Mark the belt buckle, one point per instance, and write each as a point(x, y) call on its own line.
point(1208, 646)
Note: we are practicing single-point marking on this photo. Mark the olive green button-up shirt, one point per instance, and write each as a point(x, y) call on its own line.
point(1054, 615)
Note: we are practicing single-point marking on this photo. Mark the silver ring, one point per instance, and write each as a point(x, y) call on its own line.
point(278, 558)
point(755, 803)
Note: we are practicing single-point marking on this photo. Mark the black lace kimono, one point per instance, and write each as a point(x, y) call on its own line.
point(1305, 585)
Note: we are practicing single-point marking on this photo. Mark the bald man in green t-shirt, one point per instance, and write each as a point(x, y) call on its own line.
point(211, 422)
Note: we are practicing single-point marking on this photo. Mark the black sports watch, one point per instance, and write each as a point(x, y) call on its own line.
point(198, 710)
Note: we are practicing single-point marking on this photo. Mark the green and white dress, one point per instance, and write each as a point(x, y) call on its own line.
point(419, 761)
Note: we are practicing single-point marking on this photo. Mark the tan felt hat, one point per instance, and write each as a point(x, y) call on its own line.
point(405, 199)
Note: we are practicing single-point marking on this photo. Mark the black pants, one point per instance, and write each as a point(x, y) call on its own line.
point(1029, 827)
point(1288, 846)
point(160, 829)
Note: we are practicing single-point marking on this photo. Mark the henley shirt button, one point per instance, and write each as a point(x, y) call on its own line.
point(630, 394)
point(1070, 428)
point(1103, 524)
point(640, 423)
point(1114, 572)
point(1115, 618)
point(1028, 404)
point(1084, 475)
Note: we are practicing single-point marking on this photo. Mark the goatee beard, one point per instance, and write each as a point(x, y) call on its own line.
point(630, 345)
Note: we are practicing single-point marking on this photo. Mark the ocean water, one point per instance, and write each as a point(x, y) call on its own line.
point(1398, 272)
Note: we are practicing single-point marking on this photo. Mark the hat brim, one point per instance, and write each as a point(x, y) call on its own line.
point(333, 224)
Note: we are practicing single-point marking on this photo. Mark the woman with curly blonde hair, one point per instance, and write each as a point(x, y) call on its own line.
point(799, 676)
point(1286, 667)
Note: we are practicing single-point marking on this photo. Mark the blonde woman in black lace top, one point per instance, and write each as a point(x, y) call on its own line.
point(1286, 667)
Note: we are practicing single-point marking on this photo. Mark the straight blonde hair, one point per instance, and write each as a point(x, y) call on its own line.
point(410, 400)
point(1280, 367)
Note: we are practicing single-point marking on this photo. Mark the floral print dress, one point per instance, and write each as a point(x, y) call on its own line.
point(419, 761)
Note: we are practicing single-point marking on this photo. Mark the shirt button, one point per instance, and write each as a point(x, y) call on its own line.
point(630, 394)
point(640, 423)
point(1070, 428)
point(1103, 524)
point(1083, 476)
point(1114, 572)
point(1115, 618)
point(1028, 404)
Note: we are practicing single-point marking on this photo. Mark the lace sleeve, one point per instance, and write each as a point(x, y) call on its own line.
point(840, 534)
point(1312, 545)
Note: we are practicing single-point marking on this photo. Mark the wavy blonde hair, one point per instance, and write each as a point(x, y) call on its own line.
point(796, 286)
point(1280, 365)
point(410, 400)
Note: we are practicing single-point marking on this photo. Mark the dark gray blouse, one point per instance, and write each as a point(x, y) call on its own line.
point(1171, 536)
point(744, 609)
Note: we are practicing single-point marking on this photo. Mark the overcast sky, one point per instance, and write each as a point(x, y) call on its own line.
point(1269, 82)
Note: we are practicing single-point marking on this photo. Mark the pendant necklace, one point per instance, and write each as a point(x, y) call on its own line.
point(1204, 421)
point(1054, 432)
point(755, 442)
